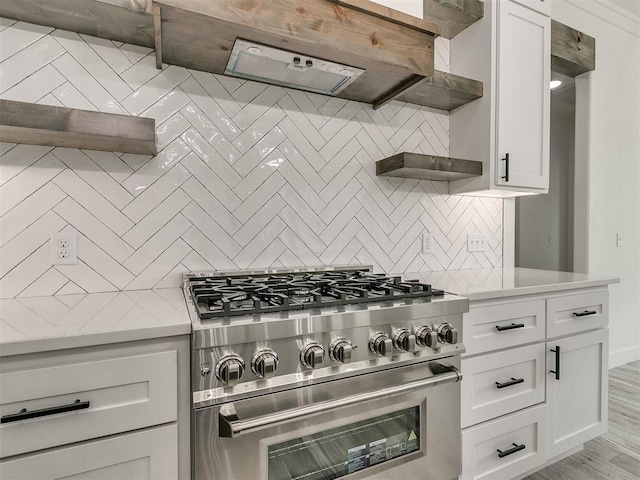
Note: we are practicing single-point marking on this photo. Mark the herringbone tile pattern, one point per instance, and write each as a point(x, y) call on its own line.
point(248, 176)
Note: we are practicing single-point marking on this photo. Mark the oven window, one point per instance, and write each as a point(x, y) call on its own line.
point(340, 451)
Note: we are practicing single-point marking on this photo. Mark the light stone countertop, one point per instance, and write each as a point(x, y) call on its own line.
point(491, 283)
point(38, 324)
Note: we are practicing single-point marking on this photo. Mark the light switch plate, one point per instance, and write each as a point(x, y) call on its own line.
point(477, 242)
point(427, 243)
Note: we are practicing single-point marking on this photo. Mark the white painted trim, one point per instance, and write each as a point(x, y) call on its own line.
point(581, 179)
point(624, 356)
point(607, 12)
point(509, 233)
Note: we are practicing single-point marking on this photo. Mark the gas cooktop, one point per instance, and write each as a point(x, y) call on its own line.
point(246, 293)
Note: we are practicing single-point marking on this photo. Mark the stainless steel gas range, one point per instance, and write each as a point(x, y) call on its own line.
point(323, 373)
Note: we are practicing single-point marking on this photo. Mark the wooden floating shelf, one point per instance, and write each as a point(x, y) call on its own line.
point(394, 49)
point(428, 167)
point(572, 52)
point(391, 15)
point(442, 90)
point(452, 16)
point(35, 124)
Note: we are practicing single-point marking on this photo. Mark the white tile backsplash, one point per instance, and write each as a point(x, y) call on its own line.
point(247, 176)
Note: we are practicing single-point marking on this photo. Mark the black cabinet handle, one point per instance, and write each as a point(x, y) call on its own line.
point(557, 370)
point(514, 449)
point(513, 381)
point(500, 328)
point(585, 313)
point(24, 414)
point(506, 167)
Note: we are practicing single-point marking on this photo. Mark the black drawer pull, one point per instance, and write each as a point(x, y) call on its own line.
point(516, 448)
point(557, 370)
point(585, 313)
point(513, 381)
point(500, 328)
point(24, 414)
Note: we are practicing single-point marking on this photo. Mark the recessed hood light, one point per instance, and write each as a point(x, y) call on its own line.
point(554, 84)
point(263, 63)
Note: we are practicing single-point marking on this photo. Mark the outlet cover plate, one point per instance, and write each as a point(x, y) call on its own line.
point(64, 248)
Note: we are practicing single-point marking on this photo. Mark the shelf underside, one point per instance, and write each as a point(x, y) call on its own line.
point(428, 167)
point(35, 124)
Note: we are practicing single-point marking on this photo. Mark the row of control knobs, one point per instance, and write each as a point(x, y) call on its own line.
point(264, 363)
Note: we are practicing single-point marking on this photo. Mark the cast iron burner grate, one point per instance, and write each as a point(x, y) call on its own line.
point(280, 292)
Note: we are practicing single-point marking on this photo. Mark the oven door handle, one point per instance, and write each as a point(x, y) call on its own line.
point(232, 427)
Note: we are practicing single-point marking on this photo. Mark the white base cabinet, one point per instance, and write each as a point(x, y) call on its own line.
point(119, 411)
point(577, 397)
point(146, 455)
point(537, 389)
point(506, 447)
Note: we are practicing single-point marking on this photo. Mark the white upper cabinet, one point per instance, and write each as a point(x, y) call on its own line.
point(542, 6)
point(524, 56)
point(508, 128)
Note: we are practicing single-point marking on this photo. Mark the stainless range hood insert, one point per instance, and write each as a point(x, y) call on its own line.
point(253, 61)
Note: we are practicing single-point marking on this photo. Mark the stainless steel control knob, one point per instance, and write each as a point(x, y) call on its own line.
point(264, 363)
point(403, 339)
point(381, 345)
point(340, 350)
point(312, 355)
point(426, 336)
point(446, 333)
point(229, 369)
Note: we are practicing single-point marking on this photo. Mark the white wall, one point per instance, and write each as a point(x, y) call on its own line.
point(248, 176)
point(542, 221)
point(611, 132)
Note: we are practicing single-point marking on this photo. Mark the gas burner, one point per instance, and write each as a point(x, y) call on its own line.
point(253, 294)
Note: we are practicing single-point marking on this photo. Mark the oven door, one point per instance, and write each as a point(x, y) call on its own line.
point(404, 419)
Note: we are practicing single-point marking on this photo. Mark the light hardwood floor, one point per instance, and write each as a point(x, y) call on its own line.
point(616, 454)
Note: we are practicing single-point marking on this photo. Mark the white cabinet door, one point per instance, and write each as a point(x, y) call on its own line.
point(150, 454)
point(523, 115)
point(542, 6)
point(577, 393)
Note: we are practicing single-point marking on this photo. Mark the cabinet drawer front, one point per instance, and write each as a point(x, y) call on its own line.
point(146, 455)
point(120, 394)
point(495, 449)
point(501, 383)
point(498, 326)
point(571, 314)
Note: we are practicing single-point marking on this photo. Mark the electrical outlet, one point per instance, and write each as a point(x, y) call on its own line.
point(64, 248)
point(619, 240)
point(477, 242)
point(427, 243)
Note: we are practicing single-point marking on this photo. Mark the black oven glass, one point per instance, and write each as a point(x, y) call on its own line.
point(340, 451)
